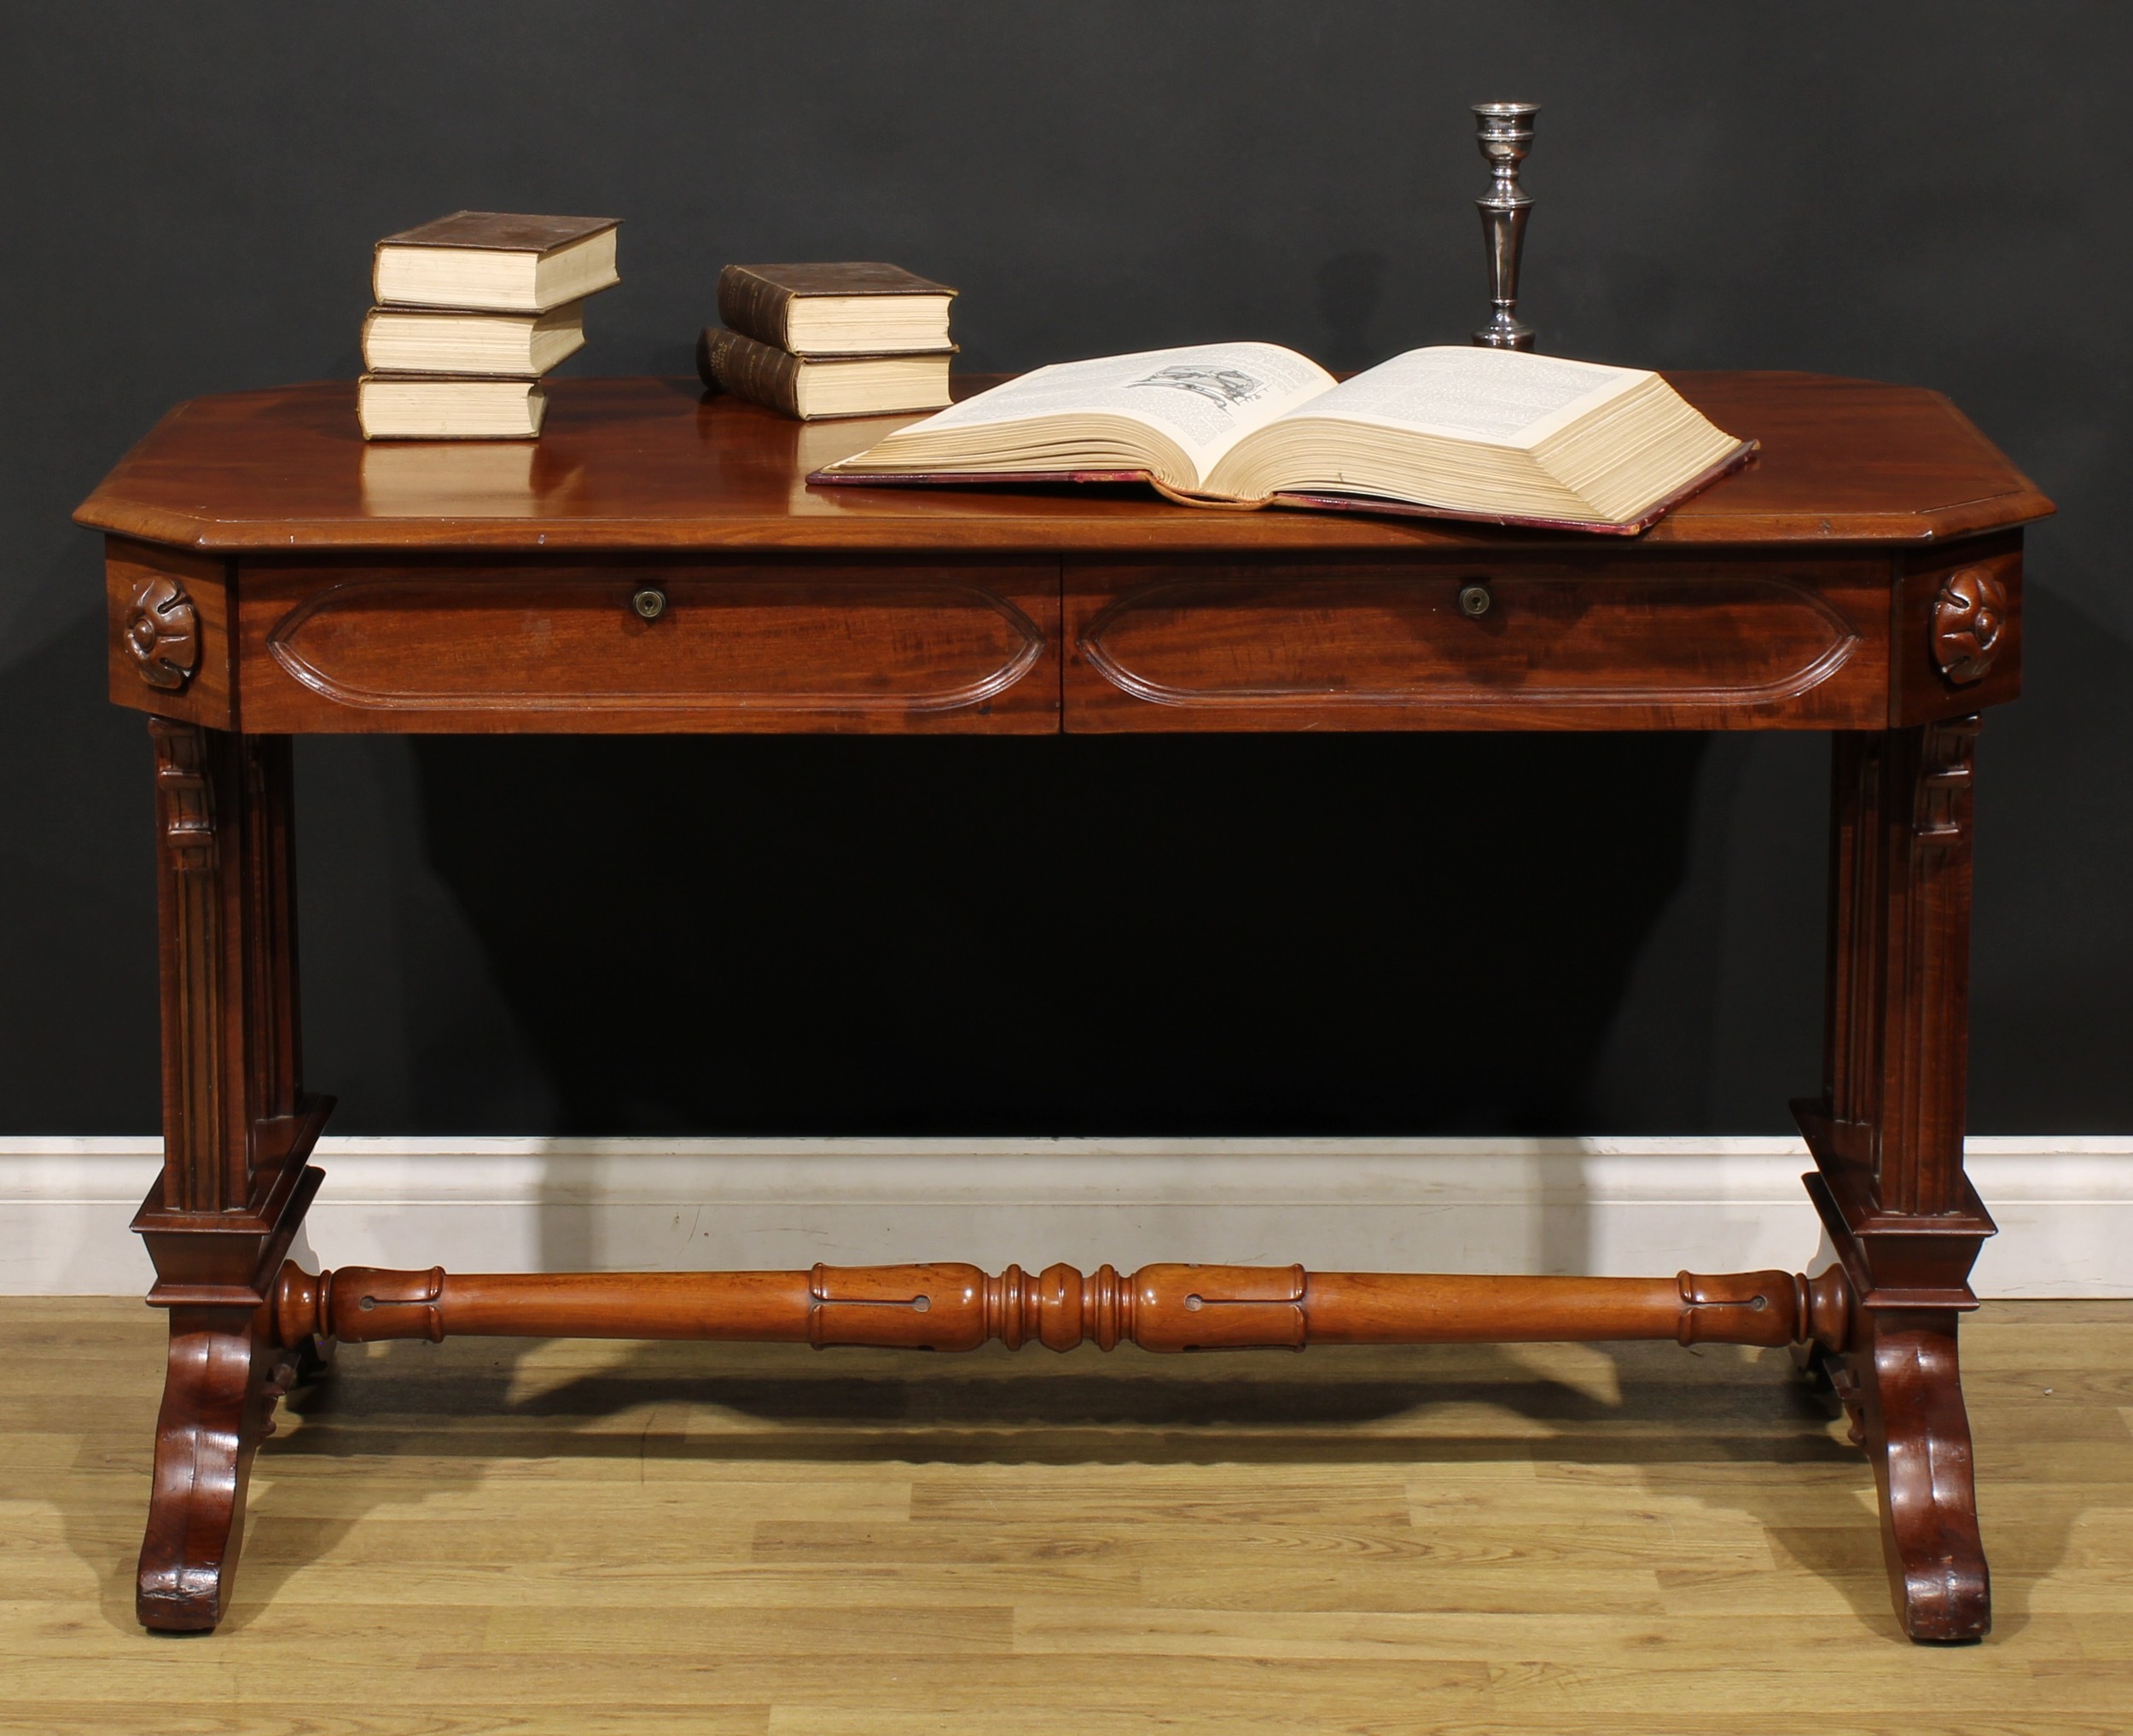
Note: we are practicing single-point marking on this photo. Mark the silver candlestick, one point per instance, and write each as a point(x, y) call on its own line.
point(1504, 131)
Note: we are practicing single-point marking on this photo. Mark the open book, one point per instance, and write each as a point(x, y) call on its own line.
point(1452, 431)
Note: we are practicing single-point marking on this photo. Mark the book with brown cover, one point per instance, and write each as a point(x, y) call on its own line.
point(501, 231)
point(465, 261)
point(756, 300)
point(729, 361)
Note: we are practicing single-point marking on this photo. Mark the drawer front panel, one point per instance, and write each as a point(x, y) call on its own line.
point(754, 648)
point(1604, 645)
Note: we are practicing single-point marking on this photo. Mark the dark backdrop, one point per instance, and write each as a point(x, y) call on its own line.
point(1372, 932)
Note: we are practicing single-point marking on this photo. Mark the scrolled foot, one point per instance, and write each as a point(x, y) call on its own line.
point(216, 1400)
point(1917, 1434)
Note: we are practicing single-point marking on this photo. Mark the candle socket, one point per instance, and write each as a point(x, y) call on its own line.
point(1504, 133)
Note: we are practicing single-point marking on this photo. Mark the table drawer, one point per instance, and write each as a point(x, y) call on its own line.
point(763, 647)
point(1597, 644)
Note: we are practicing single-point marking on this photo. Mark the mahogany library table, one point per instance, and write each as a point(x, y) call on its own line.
point(657, 562)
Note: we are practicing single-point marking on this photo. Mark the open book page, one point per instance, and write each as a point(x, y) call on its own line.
point(1197, 402)
point(1490, 433)
point(1462, 392)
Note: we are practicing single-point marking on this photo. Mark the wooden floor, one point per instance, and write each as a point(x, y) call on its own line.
point(487, 1536)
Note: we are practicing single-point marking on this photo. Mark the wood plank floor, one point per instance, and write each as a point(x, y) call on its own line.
point(492, 1536)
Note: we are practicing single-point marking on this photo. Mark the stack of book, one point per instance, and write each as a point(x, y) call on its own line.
point(858, 339)
point(472, 310)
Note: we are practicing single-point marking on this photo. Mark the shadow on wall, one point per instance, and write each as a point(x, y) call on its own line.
point(1068, 935)
point(77, 983)
point(1194, 935)
point(2051, 974)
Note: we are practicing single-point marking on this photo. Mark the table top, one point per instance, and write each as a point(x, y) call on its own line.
point(659, 464)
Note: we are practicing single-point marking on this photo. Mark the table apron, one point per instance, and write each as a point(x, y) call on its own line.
point(1544, 641)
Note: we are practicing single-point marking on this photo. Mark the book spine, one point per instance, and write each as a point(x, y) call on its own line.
point(752, 306)
point(731, 363)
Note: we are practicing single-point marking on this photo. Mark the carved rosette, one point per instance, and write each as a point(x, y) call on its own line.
point(1969, 616)
point(162, 634)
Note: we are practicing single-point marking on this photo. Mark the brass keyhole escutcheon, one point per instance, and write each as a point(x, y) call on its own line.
point(1474, 599)
point(650, 602)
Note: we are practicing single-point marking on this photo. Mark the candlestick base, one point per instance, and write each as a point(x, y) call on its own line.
point(1503, 332)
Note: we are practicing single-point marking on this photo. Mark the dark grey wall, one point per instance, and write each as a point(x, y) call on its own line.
point(1371, 932)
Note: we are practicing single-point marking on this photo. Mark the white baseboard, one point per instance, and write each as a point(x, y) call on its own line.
point(1607, 1206)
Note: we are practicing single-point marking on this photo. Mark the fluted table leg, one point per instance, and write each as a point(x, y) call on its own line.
point(1887, 1138)
point(237, 1129)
